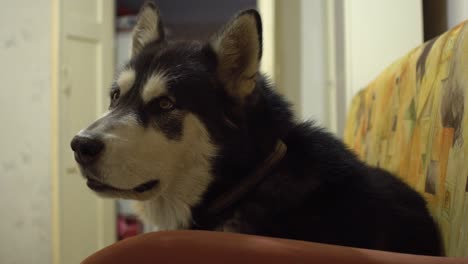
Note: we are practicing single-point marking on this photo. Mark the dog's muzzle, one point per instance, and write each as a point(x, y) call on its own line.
point(87, 149)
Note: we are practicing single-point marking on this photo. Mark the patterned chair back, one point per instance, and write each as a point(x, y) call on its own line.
point(412, 121)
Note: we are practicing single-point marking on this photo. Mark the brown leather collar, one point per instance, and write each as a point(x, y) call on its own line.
point(250, 181)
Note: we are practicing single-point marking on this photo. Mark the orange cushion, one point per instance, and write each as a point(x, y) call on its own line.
point(216, 247)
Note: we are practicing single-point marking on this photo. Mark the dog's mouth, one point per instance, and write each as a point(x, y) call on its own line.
point(102, 187)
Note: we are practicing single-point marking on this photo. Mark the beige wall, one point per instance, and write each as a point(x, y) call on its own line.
point(25, 132)
point(377, 33)
point(320, 72)
point(457, 12)
point(370, 35)
point(300, 57)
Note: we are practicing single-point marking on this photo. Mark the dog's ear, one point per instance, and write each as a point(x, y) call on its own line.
point(238, 48)
point(148, 28)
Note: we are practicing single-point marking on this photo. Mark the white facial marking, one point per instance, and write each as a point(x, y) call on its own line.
point(126, 80)
point(99, 128)
point(155, 86)
point(171, 210)
point(134, 155)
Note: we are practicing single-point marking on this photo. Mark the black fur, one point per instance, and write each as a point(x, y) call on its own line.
point(319, 192)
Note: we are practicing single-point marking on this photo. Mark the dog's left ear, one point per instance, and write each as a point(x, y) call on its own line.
point(238, 49)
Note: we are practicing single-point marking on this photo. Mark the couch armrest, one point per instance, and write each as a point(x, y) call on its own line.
point(216, 247)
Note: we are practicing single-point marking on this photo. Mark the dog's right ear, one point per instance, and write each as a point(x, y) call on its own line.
point(148, 28)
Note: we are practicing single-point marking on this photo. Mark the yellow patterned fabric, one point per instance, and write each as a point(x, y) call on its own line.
point(413, 121)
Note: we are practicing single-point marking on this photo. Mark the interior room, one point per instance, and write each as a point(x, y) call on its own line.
point(386, 78)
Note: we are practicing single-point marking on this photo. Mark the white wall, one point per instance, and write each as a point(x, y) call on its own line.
point(368, 36)
point(457, 12)
point(379, 32)
point(300, 57)
point(267, 10)
point(313, 66)
point(25, 205)
point(372, 34)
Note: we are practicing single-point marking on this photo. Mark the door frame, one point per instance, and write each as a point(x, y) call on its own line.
point(106, 209)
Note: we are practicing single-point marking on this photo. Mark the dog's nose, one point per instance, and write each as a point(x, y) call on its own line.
point(86, 148)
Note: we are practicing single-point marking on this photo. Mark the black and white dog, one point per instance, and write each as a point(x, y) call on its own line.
point(200, 138)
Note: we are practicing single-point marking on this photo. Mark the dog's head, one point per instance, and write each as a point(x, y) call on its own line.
point(169, 111)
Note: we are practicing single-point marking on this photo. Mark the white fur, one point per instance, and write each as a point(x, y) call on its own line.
point(126, 80)
point(134, 155)
point(154, 87)
point(165, 213)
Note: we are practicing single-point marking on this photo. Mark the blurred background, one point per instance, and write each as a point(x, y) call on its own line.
point(59, 58)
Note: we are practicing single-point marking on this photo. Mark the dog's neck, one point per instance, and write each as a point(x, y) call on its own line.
point(216, 206)
point(248, 183)
point(165, 213)
point(172, 212)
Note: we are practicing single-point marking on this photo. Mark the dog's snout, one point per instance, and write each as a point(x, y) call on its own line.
point(86, 148)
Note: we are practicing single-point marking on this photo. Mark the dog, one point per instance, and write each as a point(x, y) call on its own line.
point(201, 139)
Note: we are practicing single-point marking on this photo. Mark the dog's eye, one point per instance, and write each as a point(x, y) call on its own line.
point(165, 103)
point(115, 95)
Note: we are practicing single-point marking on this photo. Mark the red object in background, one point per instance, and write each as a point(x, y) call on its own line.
point(128, 226)
point(123, 11)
